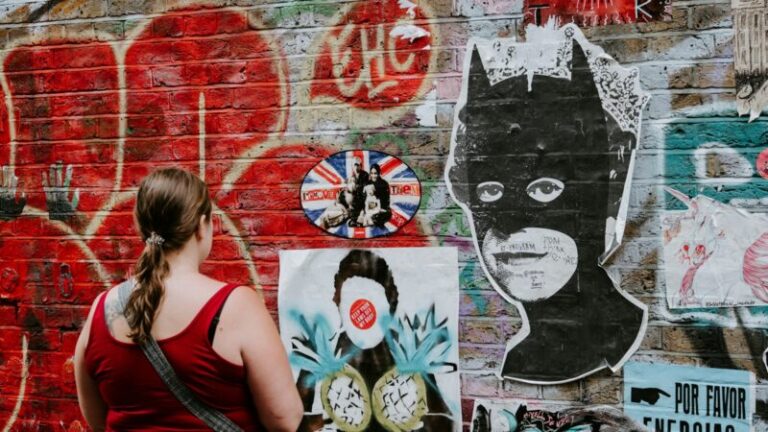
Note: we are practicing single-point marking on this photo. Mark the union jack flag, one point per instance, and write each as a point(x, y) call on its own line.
point(324, 182)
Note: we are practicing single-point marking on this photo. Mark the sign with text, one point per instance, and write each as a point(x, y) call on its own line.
point(670, 398)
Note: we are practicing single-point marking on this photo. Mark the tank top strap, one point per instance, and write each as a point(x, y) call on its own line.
point(209, 310)
point(98, 322)
point(98, 334)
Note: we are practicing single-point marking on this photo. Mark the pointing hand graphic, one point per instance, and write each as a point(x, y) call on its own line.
point(650, 395)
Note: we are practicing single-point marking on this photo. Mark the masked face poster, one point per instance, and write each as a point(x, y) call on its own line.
point(372, 336)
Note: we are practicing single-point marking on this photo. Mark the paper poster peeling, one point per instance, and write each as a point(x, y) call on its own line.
point(372, 337)
point(765, 359)
point(750, 56)
point(597, 13)
point(426, 113)
point(715, 255)
point(687, 399)
point(511, 416)
point(360, 194)
point(541, 160)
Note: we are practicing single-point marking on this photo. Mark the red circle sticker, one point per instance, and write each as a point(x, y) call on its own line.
point(762, 164)
point(363, 314)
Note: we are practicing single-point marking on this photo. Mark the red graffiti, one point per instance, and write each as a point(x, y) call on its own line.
point(376, 57)
point(200, 77)
point(595, 12)
point(5, 133)
point(65, 106)
point(41, 267)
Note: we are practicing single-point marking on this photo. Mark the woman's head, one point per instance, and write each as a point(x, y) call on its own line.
point(375, 172)
point(173, 212)
point(172, 203)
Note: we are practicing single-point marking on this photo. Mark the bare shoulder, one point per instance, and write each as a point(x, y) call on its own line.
point(246, 300)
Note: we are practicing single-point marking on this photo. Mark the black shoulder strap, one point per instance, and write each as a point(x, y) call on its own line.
point(215, 323)
point(210, 416)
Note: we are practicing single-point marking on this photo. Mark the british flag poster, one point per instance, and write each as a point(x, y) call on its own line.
point(360, 194)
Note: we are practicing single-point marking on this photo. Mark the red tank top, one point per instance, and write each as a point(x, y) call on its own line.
point(136, 397)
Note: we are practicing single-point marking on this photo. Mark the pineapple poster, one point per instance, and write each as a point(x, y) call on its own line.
point(372, 336)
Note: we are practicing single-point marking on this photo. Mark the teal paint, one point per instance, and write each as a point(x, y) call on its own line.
point(681, 139)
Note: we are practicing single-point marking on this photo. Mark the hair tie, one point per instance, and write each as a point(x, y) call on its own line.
point(154, 239)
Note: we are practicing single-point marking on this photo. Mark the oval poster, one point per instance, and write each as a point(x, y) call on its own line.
point(360, 194)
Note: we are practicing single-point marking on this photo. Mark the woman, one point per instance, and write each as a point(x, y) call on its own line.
point(382, 193)
point(218, 337)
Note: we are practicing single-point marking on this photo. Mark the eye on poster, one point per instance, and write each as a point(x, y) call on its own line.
point(372, 336)
point(671, 398)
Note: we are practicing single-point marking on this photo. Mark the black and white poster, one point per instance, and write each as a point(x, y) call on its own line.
point(749, 56)
point(541, 160)
point(372, 336)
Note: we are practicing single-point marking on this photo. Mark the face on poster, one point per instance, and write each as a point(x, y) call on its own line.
point(675, 398)
point(372, 336)
point(541, 161)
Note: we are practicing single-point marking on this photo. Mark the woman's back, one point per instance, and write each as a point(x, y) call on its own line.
point(219, 339)
point(128, 382)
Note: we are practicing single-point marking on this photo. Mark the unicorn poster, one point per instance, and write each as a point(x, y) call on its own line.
point(372, 336)
point(715, 255)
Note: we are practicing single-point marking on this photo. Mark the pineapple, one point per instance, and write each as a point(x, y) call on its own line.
point(400, 400)
point(419, 346)
point(345, 399)
point(343, 393)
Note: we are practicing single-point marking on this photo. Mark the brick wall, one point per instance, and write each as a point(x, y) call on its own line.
point(237, 90)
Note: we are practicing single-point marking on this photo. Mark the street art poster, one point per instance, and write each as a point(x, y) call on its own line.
point(514, 416)
point(360, 194)
point(542, 153)
point(715, 255)
point(749, 56)
point(596, 12)
point(674, 398)
point(372, 337)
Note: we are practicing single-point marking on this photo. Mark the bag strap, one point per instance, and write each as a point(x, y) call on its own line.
point(210, 416)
